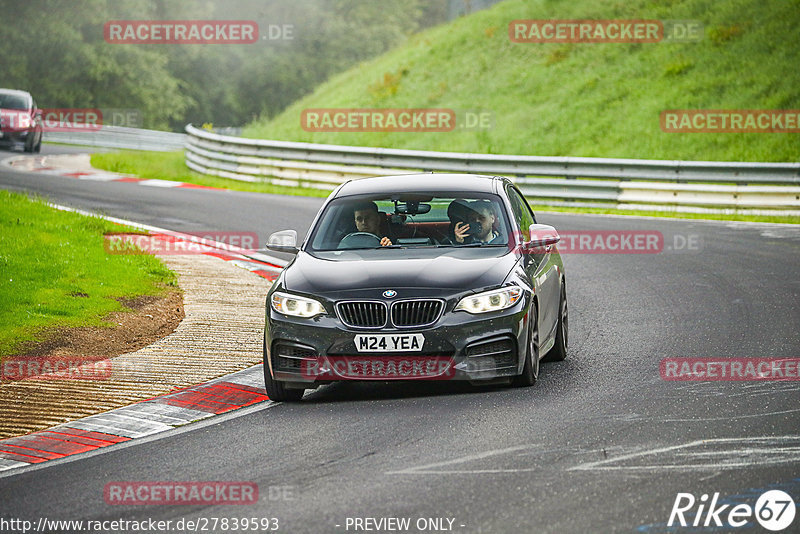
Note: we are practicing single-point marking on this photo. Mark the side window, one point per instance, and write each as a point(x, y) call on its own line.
point(523, 215)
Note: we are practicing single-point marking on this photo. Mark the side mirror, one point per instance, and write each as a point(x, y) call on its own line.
point(542, 235)
point(283, 241)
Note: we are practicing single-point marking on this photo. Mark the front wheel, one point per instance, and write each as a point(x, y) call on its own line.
point(276, 391)
point(559, 351)
point(530, 371)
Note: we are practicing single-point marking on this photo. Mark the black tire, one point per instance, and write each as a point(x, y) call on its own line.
point(530, 371)
point(276, 391)
point(559, 351)
point(27, 148)
point(38, 147)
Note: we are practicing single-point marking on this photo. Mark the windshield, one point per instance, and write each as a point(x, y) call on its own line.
point(12, 101)
point(412, 221)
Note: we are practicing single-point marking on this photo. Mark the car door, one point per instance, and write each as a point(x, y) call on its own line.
point(540, 268)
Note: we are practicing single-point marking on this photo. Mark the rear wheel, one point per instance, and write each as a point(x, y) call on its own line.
point(559, 351)
point(276, 391)
point(530, 371)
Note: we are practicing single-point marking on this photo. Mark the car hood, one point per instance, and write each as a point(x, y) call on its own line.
point(427, 273)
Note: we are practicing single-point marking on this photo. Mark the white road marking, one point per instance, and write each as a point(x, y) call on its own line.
point(163, 413)
point(428, 468)
point(154, 182)
point(253, 376)
point(118, 424)
point(770, 452)
point(745, 416)
point(100, 177)
point(11, 464)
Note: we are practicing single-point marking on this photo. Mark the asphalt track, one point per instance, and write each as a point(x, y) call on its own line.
point(600, 444)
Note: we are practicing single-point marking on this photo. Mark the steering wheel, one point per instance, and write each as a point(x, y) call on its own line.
point(360, 240)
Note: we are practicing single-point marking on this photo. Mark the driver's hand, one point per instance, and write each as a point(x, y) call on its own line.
point(461, 230)
point(386, 242)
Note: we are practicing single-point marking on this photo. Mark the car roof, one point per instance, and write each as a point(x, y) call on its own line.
point(416, 183)
point(15, 92)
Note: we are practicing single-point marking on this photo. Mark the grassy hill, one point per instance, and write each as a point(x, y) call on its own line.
point(580, 99)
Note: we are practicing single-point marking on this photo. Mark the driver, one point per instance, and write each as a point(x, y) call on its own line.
point(368, 219)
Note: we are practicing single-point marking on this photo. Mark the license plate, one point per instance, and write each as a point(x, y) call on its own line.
point(389, 342)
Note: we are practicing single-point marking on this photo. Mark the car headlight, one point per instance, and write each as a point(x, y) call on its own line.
point(295, 305)
point(489, 301)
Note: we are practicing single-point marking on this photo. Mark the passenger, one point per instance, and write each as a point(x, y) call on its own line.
point(480, 226)
point(368, 219)
point(458, 213)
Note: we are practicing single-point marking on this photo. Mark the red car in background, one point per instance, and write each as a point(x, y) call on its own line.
point(20, 121)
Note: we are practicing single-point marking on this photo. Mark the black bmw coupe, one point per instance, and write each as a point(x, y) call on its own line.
point(416, 277)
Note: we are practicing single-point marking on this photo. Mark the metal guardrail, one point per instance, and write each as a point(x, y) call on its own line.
point(120, 137)
point(681, 185)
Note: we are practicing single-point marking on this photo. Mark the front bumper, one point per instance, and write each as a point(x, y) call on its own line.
point(310, 352)
point(14, 138)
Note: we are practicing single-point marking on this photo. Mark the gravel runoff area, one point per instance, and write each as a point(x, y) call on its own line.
point(221, 333)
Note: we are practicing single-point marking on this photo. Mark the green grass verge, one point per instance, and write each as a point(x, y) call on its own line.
point(580, 99)
point(172, 166)
point(56, 273)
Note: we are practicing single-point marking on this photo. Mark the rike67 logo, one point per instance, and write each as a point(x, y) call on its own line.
point(774, 510)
